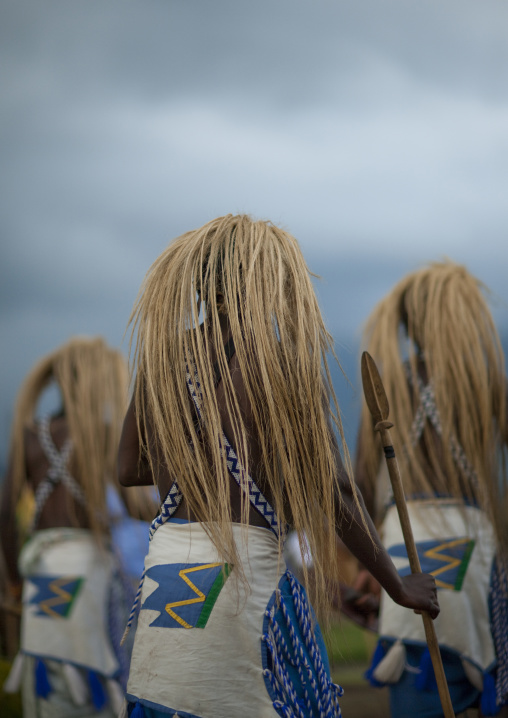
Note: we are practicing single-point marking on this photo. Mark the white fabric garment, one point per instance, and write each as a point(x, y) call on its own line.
point(460, 546)
point(197, 667)
point(65, 599)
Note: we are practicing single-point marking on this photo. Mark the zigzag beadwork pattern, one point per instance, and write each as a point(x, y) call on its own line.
point(168, 508)
point(244, 481)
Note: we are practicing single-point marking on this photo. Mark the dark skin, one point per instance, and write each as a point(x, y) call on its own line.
point(60, 509)
point(416, 591)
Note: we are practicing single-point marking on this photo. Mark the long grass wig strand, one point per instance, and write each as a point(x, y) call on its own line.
point(439, 314)
point(92, 379)
point(255, 273)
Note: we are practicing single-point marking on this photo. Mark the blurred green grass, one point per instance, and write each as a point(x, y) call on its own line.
point(10, 703)
point(349, 650)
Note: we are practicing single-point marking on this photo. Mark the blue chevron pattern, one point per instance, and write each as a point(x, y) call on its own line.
point(244, 481)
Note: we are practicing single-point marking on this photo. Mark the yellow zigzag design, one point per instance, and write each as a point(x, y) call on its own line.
point(200, 595)
point(62, 596)
point(451, 561)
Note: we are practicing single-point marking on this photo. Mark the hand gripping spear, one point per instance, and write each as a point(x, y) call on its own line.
point(377, 401)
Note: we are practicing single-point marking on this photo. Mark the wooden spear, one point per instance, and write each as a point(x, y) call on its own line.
point(377, 401)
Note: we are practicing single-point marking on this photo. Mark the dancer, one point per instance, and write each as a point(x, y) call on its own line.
point(74, 594)
point(235, 420)
point(442, 365)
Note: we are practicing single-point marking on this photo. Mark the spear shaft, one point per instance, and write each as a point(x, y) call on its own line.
point(377, 401)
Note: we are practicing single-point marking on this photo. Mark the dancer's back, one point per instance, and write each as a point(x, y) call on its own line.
point(60, 508)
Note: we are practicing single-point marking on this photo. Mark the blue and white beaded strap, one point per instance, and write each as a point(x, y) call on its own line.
point(315, 682)
point(428, 410)
point(169, 506)
point(244, 481)
point(57, 471)
point(58, 461)
point(499, 625)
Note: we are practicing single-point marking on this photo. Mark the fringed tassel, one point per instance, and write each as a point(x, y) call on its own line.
point(489, 706)
point(426, 679)
point(99, 698)
point(13, 681)
point(76, 684)
point(42, 684)
point(116, 695)
point(125, 634)
point(391, 667)
point(378, 656)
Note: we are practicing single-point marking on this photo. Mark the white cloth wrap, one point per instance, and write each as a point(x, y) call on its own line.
point(81, 638)
point(182, 668)
point(463, 624)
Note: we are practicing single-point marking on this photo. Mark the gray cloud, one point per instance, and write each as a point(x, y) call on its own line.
point(377, 134)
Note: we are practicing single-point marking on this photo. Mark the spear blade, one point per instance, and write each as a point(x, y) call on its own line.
point(373, 389)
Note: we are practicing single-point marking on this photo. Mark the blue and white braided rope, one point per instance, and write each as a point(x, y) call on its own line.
point(305, 621)
point(280, 678)
point(428, 410)
point(314, 679)
point(499, 623)
point(300, 662)
point(57, 471)
point(321, 691)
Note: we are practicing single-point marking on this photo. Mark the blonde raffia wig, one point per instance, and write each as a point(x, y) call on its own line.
point(438, 317)
point(255, 273)
point(92, 379)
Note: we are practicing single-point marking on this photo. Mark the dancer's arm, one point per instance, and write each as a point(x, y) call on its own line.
point(9, 532)
point(361, 477)
point(133, 468)
point(416, 591)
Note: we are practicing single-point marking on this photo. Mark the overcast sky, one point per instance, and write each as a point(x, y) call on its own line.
point(376, 131)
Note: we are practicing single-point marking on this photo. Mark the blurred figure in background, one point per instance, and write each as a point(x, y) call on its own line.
point(443, 368)
point(60, 493)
